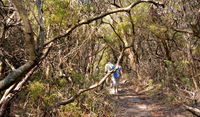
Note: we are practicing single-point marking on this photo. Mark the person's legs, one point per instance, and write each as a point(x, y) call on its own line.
point(115, 88)
point(114, 85)
point(117, 84)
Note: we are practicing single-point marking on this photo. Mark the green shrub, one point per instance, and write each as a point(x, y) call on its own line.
point(36, 88)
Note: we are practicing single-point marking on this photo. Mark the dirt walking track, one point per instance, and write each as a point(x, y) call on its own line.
point(131, 104)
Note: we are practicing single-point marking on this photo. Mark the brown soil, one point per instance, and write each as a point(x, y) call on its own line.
point(132, 104)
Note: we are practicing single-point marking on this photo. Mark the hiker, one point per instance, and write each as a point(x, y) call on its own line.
point(108, 68)
point(115, 76)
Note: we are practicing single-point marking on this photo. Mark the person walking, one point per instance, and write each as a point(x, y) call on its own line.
point(115, 76)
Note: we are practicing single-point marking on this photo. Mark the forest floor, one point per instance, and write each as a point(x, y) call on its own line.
point(132, 104)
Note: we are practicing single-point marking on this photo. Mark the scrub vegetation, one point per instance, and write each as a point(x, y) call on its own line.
point(53, 54)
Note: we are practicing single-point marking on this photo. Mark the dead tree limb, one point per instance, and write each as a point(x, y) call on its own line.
point(9, 96)
point(14, 76)
point(193, 110)
point(14, 89)
point(72, 98)
point(17, 74)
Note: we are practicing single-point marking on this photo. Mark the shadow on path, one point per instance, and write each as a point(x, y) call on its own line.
point(131, 104)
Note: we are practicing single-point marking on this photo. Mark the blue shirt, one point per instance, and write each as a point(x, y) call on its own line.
point(116, 74)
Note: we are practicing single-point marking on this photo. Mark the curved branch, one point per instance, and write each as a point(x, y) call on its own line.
point(119, 37)
point(87, 21)
point(193, 110)
point(186, 31)
point(14, 89)
point(16, 75)
point(71, 99)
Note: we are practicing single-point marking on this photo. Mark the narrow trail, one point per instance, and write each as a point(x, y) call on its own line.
point(144, 105)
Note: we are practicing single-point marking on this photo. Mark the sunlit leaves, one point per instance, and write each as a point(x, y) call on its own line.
point(157, 29)
point(59, 13)
point(36, 88)
point(124, 26)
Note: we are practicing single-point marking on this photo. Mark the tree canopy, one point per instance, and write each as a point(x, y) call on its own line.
point(53, 53)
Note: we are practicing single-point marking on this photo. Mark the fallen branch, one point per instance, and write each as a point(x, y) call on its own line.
point(19, 73)
point(72, 98)
point(14, 89)
point(9, 96)
point(14, 76)
point(186, 31)
point(193, 110)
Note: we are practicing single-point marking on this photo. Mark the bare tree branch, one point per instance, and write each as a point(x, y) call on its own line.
point(119, 37)
point(8, 95)
point(186, 31)
point(71, 99)
point(183, 30)
point(42, 31)
point(87, 21)
point(9, 64)
point(17, 74)
point(193, 110)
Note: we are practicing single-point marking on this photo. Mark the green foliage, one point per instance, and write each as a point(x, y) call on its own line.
point(78, 78)
point(186, 81)
point(142, 8)
point(123, 26)
point(157, 29)
point(70, 107)
point(169, 16)
point(88, 8)
point(36, 89)
point(179, 36)
point(150, 81)
point(53, 97)
point(141, 15)
point(72, 110)
point(168, 62)
point(93, 77)
point(62, 81)
point(105, 59)
point(60, 14)
point(109, 37)
point(177, 74)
